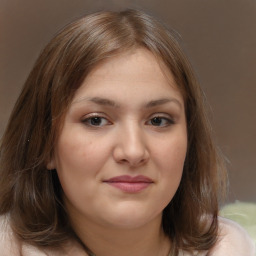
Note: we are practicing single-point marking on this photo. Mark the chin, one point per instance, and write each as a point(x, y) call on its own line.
point(131, 218)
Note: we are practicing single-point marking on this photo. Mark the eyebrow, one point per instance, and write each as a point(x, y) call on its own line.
point(150, 104)
point(154, 103)
point(100, 101)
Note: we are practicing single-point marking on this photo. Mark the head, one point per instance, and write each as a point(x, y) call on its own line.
point(33, 194)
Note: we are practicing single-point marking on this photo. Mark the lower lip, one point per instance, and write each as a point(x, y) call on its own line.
point(130, 187)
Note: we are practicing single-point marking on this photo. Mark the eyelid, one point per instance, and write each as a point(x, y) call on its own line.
point(168, 118)
point(163, 115)
point(87, 117)
point(94, 114)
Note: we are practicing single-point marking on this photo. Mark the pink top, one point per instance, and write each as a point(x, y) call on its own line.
point(233, 241)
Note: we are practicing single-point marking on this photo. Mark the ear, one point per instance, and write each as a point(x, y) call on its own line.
point(50, 165)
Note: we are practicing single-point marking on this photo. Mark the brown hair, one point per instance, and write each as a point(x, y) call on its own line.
point(32, 195)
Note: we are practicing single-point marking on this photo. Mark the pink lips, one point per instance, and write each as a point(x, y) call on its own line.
point(130, 184)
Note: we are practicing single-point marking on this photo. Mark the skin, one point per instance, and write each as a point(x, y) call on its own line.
point(127, 118)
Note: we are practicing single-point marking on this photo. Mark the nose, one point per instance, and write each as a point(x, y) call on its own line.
point(131, 147)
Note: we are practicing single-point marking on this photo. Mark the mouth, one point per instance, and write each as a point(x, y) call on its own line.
point(130, 184)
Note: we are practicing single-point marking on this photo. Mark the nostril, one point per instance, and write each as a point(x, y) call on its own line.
point(123, 161)
point(133, 162)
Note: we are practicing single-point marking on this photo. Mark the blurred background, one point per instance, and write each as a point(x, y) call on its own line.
point(219, 37)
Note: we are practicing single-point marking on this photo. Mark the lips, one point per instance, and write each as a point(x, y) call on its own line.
point(130, 184)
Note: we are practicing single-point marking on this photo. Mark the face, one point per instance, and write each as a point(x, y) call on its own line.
point(120, 153)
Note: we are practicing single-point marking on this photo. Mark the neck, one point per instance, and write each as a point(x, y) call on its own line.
point(148, 240)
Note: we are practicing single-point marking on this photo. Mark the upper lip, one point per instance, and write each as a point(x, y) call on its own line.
point(130, 179)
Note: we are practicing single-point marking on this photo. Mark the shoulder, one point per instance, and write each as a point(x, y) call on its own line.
point(233, 240)
point(11, 245)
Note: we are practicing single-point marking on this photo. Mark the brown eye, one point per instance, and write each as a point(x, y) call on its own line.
point(95, 121)
point(161, 121)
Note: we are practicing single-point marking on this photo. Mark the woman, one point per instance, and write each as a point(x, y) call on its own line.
point(108, 150)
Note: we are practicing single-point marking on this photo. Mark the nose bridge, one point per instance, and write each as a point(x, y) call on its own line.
point(134, 134)
point(132, 146)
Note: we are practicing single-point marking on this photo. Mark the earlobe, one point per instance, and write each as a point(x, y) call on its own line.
point(50, 164)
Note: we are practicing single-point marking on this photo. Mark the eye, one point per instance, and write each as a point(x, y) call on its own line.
point(95, 121)
point(160, 121)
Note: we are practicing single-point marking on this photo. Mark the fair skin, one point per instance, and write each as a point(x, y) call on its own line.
point(120, 155)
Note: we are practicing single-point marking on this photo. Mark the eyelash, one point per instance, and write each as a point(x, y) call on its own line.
point(168, 121)
point(98, 118)
point(90, 118)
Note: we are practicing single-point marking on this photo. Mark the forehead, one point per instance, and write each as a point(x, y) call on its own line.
point(138, 69)
point(124, 61)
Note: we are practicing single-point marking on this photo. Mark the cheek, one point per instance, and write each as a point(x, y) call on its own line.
point(170, 159)
point(77, 163)
point(172, 151)
point(76, 152)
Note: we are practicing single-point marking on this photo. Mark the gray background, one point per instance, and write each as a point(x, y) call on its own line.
point(219, 36)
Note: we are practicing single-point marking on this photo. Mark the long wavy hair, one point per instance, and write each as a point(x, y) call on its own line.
point(32, 195)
